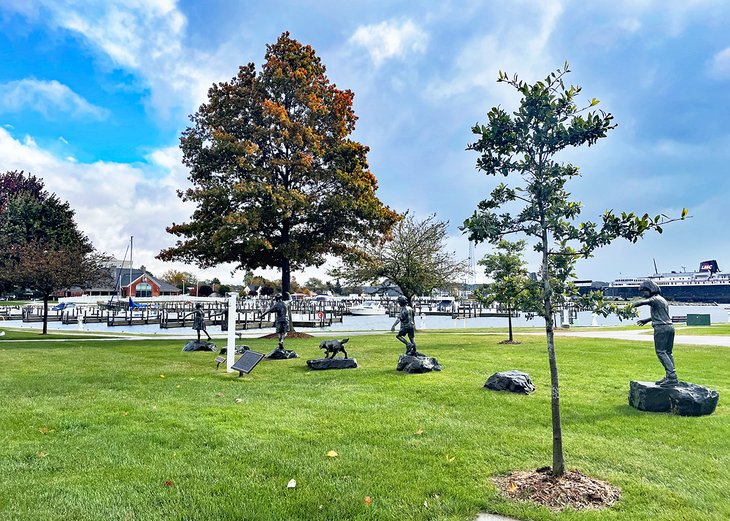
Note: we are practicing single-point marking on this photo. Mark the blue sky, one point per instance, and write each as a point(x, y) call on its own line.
point(94, 96)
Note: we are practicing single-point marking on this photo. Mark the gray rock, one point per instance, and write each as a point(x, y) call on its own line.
point(417, 364)
point(332, 363)
point(683, 399)
point(200, 345)
point(281, 354)
point(512, 381)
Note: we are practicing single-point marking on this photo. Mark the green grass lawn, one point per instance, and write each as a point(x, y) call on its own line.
point(717, 329)
point(139, 430)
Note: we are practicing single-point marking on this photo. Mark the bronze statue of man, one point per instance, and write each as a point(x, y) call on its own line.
point(663, 328)
point(407, 325)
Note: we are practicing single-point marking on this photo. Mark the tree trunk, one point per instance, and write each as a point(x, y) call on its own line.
point(286, 277)
point(286, 288)
point(45, 314)
point(558, 457)
point(509, 321)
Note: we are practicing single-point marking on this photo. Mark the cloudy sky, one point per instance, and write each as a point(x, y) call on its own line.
point(95, 93)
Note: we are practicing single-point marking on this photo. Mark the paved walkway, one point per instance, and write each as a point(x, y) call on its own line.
point(646, 336)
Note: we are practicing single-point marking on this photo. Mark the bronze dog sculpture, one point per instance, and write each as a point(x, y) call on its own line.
point(332, 347)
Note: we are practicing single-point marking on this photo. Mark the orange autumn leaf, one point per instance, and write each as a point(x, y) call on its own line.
point(368, 500)
point(169, 483)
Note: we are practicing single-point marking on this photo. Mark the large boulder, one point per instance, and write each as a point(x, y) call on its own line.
point(683, 398)
point(417, 364)
point(332, 363)
point(512, 381)
point(200, 345)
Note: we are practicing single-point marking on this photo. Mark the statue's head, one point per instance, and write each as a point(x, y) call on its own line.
point(402, 300)
point(198, 306)
point(650, 287)
point(277, 297)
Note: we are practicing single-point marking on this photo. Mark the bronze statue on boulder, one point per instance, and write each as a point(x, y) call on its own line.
point(281, 323)
point(663, 329)
point(407, 326)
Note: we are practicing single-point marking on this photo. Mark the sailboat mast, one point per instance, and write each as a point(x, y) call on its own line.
point(131, 248)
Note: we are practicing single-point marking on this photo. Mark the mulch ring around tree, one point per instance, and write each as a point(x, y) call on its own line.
point(572, 490)
point(515, 342)
point(291, 334)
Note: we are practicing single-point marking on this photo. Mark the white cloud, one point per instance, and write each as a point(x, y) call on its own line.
point(50, 98)
point(389, 39)
point(519, 44)
point(143, 37)
point(720, 64)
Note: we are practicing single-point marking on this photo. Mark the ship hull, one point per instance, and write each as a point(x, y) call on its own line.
point(705, 293)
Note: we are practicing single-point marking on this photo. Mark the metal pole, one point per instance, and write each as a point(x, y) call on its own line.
point(232, 313)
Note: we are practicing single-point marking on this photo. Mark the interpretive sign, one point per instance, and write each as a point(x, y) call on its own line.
point(220, 360)
point(247, 362)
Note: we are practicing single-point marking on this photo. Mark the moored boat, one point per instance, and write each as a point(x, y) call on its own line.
point(368, 308)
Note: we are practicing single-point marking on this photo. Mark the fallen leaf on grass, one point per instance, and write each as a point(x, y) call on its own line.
point(219, 395)
point(332, 454)
point(512, 487)
point(238, 400)
point(41, 454)
point(368, 501)
point(292, 483)
point(45, 430)
point(162, 376)
point(425, 504)
point(419, 432)
point(450, 458)
point(169, 483)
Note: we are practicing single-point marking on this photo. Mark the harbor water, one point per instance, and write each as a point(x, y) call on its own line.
point(718, 314)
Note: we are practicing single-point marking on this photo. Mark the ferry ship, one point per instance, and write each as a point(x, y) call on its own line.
point(706, 285)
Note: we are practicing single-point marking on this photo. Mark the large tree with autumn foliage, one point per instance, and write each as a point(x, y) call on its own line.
point(276, 180)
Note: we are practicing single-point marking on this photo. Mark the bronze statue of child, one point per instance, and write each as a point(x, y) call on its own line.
point(663, 329)
point(199, 321)
point(407, 326)
point(281, 322)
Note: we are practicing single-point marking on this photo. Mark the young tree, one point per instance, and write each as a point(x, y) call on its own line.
point(414, 259)
point(511, 286)
point(276, 179)
point(522, 147)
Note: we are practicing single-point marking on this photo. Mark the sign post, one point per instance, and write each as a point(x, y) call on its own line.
point(232, 315)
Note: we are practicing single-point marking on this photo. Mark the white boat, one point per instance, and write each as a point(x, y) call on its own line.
point(368, 308)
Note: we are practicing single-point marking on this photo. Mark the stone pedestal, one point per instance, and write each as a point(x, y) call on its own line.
point(512, 381)
point(200, 345)
point(417, 364)
point(683, 399)
point(281, 354)
point(332, 363)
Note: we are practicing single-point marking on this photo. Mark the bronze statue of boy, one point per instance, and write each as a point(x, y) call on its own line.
point(663, 329)
point(281, 322)
point(407, 326)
